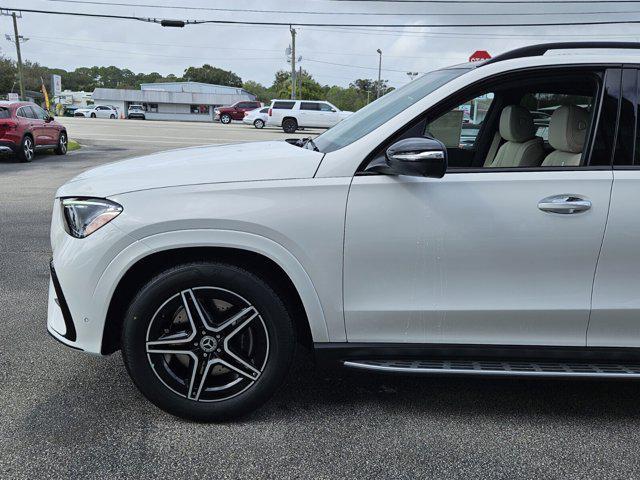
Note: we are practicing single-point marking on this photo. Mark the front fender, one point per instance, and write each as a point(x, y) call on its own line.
point(148, 245)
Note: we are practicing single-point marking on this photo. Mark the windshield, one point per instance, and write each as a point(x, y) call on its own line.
point(385, 108)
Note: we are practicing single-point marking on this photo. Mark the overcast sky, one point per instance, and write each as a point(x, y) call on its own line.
point(255, 53)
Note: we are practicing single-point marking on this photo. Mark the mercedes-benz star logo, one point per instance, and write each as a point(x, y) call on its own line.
point(208, 344)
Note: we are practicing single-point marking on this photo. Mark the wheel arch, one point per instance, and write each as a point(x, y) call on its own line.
point(303, 309)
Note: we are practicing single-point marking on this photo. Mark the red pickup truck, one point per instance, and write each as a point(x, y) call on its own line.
point(235, 111)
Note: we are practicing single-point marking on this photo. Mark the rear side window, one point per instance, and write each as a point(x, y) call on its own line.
point(264, 110)
point(5, 113)
point(309, 106)
point(26, 112)
point(283, 105)
point(325, 107)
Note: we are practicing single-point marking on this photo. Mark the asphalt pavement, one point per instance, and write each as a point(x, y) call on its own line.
point(65, 414)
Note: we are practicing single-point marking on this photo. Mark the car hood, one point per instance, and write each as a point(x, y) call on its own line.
point(276, 160)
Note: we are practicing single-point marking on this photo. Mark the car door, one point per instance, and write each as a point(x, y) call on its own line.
point(48, 131)
point(309, 115)
point(35, 125)
point(329, 115)
point(615, 316)
point(477, 257)
point(103, 112)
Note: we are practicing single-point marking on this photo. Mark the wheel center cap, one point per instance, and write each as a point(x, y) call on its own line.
point(208, 344)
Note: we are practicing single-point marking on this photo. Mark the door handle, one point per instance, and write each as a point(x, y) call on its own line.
point(564, 204)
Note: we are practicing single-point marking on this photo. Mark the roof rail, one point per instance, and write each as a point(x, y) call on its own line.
point(539, 50)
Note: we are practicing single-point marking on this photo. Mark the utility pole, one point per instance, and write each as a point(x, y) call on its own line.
point(17, 38)
point(379, 73)
point(293, 62)
point(300, 84)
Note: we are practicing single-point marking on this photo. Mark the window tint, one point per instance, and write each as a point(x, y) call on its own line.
point(40, 113)
point(309, 106)
point(283, 105)
point(626, 138)
point(604, 141)
point(265, 110)
point(4, 112)
point(325, 107)
point(26, 112)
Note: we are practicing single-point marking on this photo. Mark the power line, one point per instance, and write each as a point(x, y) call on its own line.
point(298, 12)
point(324, 24)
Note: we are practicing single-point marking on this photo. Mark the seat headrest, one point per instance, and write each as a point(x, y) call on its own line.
point(516, 124)
point(568, 128)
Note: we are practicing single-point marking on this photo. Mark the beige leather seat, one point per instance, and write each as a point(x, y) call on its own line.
point(523, 148)
point(567, 132)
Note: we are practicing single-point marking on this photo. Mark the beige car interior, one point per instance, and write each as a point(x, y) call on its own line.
point(567, 131)
point(522, 148)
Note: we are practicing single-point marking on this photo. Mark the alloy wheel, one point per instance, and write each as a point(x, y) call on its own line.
point(28, 149)
point(207, 344)
point(258, 123)
point(62, 143)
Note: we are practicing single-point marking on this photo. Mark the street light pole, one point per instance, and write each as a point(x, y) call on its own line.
point(293, 63)
point(379, 72)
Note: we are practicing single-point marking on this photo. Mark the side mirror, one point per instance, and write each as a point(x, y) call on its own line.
point(333, 110)
point(49, 119)
point(418, 157)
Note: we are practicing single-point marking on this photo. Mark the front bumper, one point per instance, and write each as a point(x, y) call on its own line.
point(59, 320)
point(7, 146)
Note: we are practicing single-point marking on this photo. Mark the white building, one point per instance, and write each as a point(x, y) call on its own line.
point(190, 101)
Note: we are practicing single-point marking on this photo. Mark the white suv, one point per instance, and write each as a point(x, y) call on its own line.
point(294, 114)
point(385, 244)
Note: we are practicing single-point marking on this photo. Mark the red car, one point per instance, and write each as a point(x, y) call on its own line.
point(25, 128)
point(235, 111)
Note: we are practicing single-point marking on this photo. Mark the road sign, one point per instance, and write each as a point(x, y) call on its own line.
point(56, 85)
point(13, 97)
point(479, 56)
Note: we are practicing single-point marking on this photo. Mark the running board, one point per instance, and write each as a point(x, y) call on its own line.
point(489, 367)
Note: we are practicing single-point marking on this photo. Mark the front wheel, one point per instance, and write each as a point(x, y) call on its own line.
point(93, 115)
point(258, 123)
point(207, 341)
point(61, 149)
point(225, 118)
point(112, 116)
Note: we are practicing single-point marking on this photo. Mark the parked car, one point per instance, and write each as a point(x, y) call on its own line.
point(377, 246)
point(26, 128)
point(257, 117)
point(235, 111)
point(292, 115)
point(97, 111)
point(136, 111)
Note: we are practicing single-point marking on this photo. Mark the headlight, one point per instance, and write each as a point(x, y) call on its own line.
point(86, 215)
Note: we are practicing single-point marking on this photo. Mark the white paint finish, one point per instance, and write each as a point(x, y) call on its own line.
point(199, 165)
point(296, 223)
point(471, 259)
point(615, 318)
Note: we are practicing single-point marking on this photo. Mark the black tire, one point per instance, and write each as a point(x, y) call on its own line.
point(93, 115)
point(112, 116)
point(258, 123)
point(225, 118)
point(289, 125)
point(170, 290)
point(27, 149)
point(63, 143)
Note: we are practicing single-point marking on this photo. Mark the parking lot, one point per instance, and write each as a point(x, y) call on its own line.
point(67, 414)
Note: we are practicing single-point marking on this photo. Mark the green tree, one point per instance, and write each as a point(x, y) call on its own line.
point(215, 75)
point(8, 76)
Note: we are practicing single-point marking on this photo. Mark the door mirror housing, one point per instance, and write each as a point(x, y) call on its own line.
point(418, 157)
point(49, 119)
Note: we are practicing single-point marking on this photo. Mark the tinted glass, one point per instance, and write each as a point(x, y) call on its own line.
point(40, 113)
point(283, 105)
point(309, 106)
point(604, 141)
point(4, 112)
point(325, 107)
point(265, 110)
point(626, 138)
